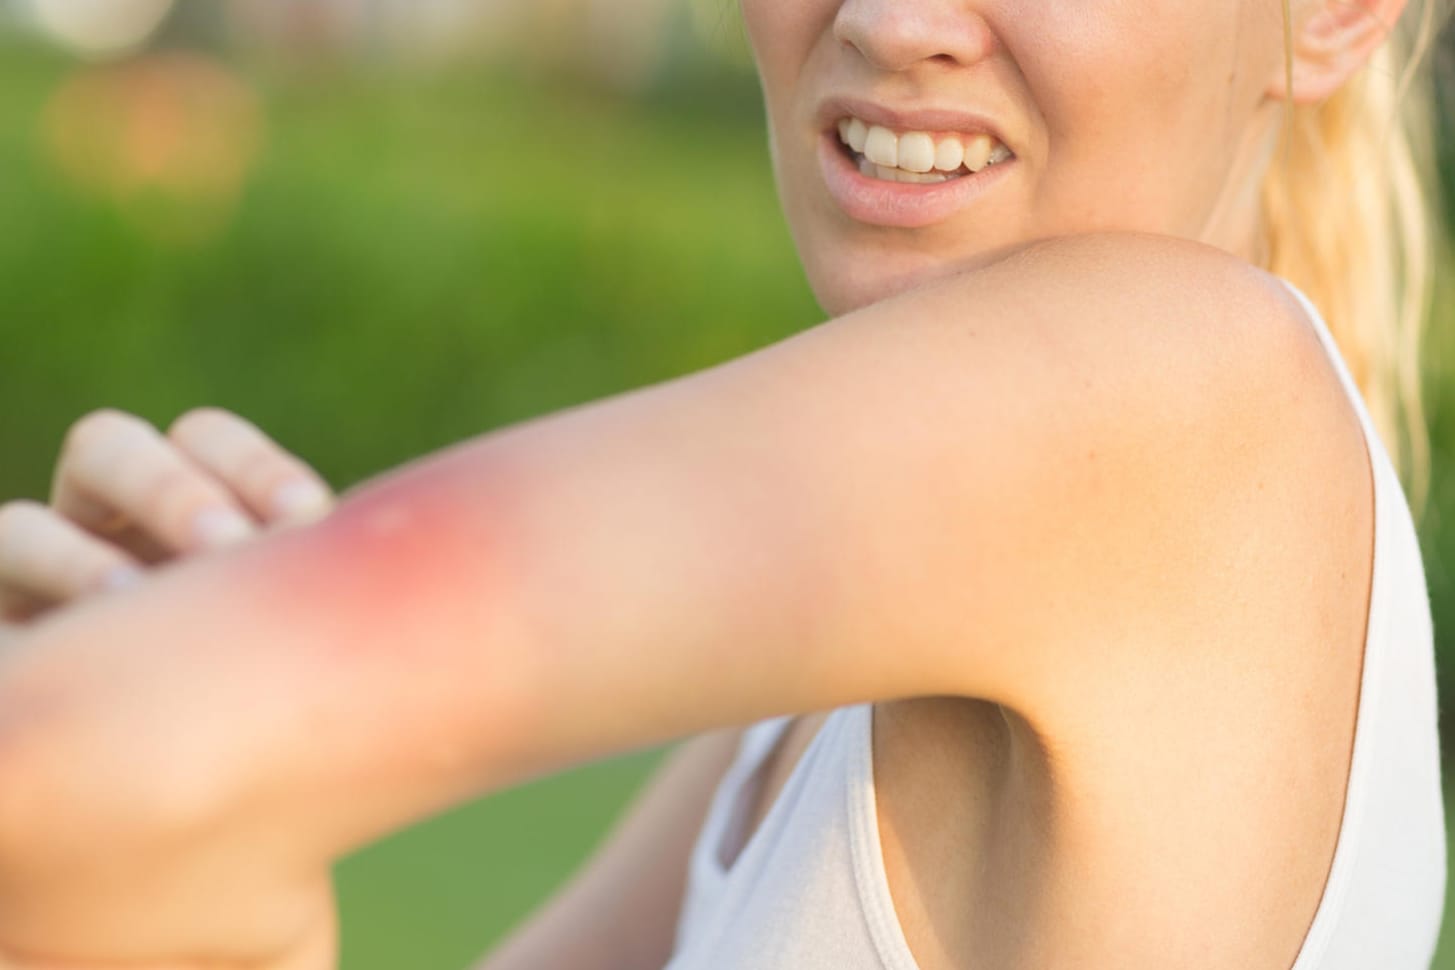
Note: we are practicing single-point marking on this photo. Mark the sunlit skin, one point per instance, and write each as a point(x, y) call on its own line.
point(1013, 482)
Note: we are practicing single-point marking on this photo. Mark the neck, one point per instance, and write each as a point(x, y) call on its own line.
point(1236, 221)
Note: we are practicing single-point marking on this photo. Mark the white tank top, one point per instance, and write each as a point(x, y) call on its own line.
point(808, 891)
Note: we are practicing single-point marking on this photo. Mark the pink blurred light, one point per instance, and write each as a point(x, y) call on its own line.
point(171, 138)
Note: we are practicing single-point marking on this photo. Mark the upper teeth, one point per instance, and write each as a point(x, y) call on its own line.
point(918, 151)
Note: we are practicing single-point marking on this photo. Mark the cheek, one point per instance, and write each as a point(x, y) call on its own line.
point(765, 23)
point(1111, 72)
point(1136, 107)
point(783, 36)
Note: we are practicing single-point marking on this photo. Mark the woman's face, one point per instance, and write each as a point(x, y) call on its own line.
point(1105, 114)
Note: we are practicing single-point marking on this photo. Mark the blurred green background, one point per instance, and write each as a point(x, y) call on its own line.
point(376, 230)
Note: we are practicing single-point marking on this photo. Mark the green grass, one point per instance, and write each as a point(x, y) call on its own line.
point(439, 896)
point(472, 253)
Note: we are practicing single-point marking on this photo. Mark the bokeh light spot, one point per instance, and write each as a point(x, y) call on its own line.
point(101, 27)
point(171, 138)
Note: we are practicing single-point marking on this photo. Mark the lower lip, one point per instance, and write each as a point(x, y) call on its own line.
point(902, 204)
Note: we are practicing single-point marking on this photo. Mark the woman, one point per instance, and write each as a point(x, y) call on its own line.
point(1063, 575)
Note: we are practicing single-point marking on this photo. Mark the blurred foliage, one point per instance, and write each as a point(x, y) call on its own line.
point(416, 258)
point(466, 253)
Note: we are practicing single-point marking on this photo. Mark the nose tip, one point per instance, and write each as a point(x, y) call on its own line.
point(897, 35)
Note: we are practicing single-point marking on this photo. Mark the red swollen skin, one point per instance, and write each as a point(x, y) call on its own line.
point(342, 679)
point(405, 571)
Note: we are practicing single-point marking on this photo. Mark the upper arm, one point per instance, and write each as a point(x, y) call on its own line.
point(974, 487)
point(620, 910)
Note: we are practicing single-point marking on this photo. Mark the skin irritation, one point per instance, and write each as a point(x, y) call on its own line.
point(407, 565)
point(314, 625)
point(243, 692)
point(418, 542)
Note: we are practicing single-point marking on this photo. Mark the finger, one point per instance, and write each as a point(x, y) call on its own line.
point(46, 557)
point(18, 608)
point(117, 528)
point(118, 462)
point(272, 482)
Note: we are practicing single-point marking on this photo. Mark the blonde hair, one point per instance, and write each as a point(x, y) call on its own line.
point(1348, 211)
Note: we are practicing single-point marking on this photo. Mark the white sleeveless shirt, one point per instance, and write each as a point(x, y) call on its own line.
point(809, 892)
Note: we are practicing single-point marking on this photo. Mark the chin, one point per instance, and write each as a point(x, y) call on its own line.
point(847, 276)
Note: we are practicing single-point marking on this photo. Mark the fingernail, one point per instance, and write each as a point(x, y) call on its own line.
point(216, 527)
point(121, 577)
point(301, 500)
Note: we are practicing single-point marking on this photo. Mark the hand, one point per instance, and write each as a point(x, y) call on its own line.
point(97, 867)
point(102, 864)
point(125, 498)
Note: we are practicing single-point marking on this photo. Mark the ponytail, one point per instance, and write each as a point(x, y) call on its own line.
point(1349, 214)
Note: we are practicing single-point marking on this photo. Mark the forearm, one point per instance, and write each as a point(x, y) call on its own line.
point(553, 593)
point(286, 701)
point(315, 678)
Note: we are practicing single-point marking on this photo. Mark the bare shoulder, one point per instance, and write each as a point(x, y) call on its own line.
point(1188, 302)
point(1180, 577)
point(1249, 438)
point(1253, 674)
point(1219, 341)
point(1091, 458)
point(1130, 333)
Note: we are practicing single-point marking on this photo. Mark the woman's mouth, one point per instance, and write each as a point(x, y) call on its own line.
point(907, 179)
point(918, 157)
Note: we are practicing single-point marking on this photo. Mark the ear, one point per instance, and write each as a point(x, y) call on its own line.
point(1332, 39)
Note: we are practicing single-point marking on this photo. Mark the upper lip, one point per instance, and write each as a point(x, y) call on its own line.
point(907, 119)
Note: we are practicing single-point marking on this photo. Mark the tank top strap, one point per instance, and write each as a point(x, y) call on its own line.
point(1331, 347)
point(758, 741)
point(1395, 547)
point(726, 815)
